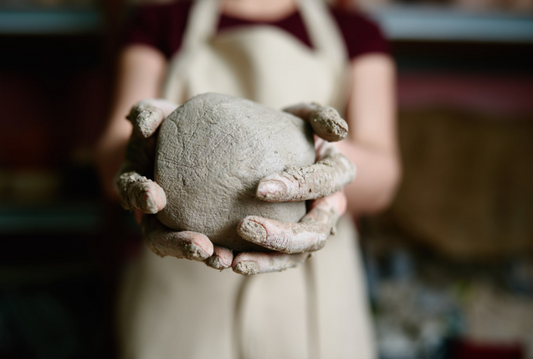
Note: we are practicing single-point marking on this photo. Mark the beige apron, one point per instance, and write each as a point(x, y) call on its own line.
point(172, 308)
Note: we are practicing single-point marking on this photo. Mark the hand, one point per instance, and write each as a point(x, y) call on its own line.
point(142, 195)
point(293, 242)
point(136, 191)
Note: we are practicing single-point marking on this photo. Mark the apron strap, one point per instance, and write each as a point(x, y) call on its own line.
point(328, 43)
point(323, 31)
point(201, 23)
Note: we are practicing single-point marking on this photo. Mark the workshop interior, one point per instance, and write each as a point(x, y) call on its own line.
point(449, 266)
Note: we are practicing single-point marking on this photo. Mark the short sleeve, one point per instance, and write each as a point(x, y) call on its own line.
point(361, 34)
point(157, 25)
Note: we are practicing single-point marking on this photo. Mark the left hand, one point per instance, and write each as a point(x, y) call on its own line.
point(293, 243)
point(322, 182)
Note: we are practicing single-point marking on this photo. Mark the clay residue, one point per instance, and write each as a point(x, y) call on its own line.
point(246, 268)
point(325, 177)
point(145, 118)
point(328, 124)
point(139, 192)
point(252, 231)
point(193, 252)
point(307, 236)
point(166, 242)
point(221, 259)
point(134, 192)
point(215, 262)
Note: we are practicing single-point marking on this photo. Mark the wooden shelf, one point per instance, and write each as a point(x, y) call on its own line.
point(431, 23)
point(50, 22)
point(426, 23)
point(55, 218)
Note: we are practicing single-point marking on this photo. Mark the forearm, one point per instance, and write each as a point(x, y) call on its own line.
point(378, 176)
point(109, 154)
point(372, 139)
point(140, 74)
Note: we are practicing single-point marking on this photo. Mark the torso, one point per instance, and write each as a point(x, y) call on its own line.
point(162, 26)
point(173, 307)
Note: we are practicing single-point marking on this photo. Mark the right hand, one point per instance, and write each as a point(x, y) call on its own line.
point(139, 193)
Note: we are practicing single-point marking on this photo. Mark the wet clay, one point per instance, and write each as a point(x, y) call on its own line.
point(211, 154)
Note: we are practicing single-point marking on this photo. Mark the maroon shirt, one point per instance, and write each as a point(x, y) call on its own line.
point(163, 25)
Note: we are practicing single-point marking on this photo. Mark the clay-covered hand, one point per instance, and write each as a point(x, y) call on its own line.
point(136, 191)
point(186, 244)
point(293, 243)
point(141, 194)
point(332, 170)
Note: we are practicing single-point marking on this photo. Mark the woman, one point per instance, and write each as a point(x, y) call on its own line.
point(278, 53)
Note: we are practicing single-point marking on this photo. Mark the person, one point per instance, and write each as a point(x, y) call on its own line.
point(279, 53)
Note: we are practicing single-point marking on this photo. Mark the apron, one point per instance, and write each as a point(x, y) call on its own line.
point(175, 308)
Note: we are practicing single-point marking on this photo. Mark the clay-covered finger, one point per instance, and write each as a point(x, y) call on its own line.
point(139, 192)
point(327, 209)
point(257, 263)
point(326, 122)
point(284, 237)
point(147, 115)
point(327, 176)
point(145, 118)
point(167, 242)
point(221, 259)
point(308, 235)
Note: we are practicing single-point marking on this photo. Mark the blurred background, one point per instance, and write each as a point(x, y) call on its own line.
point(450, 265)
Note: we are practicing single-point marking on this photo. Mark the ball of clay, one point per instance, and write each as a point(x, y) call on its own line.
point(211, 154)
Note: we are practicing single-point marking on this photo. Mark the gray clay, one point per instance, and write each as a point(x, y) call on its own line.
point(211, 154)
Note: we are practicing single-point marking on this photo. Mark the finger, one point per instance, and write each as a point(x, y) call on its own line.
point(309, 235)
point(145, 118)
point(147, 115)
point(284, 237)
point(167, 242)
point(139, 156)
point(335, 203)
point(221, 259)
point(257, 263)
point(327, 211)
point(326, 122)
point(139, 192)
point(329, 175)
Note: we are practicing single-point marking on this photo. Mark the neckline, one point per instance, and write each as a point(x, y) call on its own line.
point(280, 15)
point(242, 20)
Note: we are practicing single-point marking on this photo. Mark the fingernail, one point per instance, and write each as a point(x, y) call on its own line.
point(246, 268)
point(150, 205)
point(252, 231)
point(194, 252)
point(217, 263)
point(271, 189)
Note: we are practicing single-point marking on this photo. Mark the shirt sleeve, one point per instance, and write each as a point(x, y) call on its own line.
point(142, 27)
point(158, 25)
point(361, 34)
